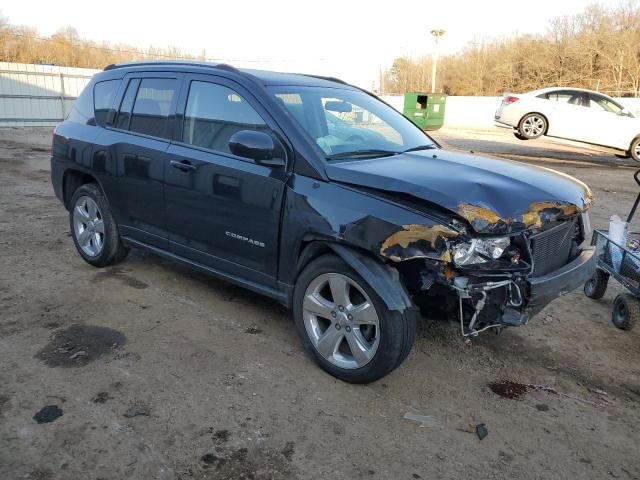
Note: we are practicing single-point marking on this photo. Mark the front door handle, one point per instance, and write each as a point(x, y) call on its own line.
point(184, 165)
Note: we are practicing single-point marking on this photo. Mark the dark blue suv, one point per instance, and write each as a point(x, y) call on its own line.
point(320, 195)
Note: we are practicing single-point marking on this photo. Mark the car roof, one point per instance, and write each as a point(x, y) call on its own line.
point(265, 77)
point(552, 89)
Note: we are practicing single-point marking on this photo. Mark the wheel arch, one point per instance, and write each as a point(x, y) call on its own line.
point(73, 179)
point(546, 119)
point(384, 279)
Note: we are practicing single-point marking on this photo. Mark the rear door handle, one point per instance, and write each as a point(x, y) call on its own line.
point(184, 165)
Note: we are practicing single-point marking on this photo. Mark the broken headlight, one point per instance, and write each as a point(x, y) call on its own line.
point(479, 250)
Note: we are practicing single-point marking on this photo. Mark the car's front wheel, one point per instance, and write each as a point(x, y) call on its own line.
point(93, 228)
point(532, 125)
point(346, 326)
point(634, 151)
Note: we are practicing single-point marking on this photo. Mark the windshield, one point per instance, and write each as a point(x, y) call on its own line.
point(350, 124)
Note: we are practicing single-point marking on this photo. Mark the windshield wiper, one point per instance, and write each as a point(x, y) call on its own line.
point(420, 147)
point(362, 154)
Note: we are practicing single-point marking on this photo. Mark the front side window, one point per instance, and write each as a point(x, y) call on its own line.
point(603, 104)
point(152, 107)
point(348, 123)
point(214, 113)
point(103, 95)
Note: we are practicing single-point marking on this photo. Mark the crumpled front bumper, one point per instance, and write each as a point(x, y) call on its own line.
point(573, 275)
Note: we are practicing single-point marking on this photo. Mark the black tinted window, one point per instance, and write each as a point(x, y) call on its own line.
point(152, 106)
point(127, 104)
point(103, 95)
point(82, 110)
point(214, 113)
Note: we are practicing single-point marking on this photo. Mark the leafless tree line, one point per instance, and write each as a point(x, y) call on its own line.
point(22, 44)
point(597, 49)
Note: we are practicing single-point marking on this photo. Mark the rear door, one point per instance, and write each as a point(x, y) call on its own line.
point(567, 111)
point(136, 141)
point(222, 210)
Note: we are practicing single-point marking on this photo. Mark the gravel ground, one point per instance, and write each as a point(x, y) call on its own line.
point(149, 370)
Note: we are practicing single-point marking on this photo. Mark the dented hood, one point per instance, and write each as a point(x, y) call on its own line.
point(494, 196)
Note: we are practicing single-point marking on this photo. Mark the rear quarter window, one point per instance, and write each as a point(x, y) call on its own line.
point(82, 110)
point(103, 96)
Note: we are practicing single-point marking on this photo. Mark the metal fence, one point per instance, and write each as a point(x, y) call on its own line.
point(38, 95)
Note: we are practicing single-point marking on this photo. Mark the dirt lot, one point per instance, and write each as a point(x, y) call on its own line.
point(156, 371)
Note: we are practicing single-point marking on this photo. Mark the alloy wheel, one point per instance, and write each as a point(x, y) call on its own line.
point(341, 321)
point(533, 126)
point(88, 226)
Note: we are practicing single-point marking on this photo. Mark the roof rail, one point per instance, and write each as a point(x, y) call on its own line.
point(329, 79)
point(155, 63)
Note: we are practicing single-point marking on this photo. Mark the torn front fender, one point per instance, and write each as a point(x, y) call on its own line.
point(419, 241)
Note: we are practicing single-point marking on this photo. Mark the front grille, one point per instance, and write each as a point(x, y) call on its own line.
point(552, 248)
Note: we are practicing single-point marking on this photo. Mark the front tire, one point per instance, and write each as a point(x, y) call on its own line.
point(634, 150)
point(93, 228)
point(532, 126)
point(346, 326)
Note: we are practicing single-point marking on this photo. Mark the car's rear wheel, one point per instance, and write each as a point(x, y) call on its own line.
point(94, 231)
point(634, 151)
point(519, 136)
point(532, 125)
point(346, 326)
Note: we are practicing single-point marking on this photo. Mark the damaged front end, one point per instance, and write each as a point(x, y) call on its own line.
point(493, 272)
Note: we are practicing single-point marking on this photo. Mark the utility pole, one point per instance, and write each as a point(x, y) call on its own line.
point(437, 33)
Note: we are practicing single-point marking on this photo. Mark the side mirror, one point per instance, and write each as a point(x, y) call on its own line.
point(258, 146)
point(625, 112)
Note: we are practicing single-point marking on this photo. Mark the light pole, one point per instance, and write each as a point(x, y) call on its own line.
point(437, 33)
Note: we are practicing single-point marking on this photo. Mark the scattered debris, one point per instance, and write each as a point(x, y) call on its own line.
point(137, 411)
point(48, 414)
point(423, 420)
point(542, 407)
point(253, 329)
point(101, 397)
point(481, 431)
point(289, 450)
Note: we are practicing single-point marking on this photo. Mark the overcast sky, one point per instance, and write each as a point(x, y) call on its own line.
point(350, 39)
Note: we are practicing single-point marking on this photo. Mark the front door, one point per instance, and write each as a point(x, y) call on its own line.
point(222, 210)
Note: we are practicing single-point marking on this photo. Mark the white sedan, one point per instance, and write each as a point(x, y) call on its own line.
point(573, 114)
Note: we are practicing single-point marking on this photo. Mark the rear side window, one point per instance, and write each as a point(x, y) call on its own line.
point(566, 96)
point(152, 107)
point(103, 96)
point(214, 113)
point(126, 106)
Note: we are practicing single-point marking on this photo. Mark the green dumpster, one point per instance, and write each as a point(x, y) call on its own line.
point(426, 110)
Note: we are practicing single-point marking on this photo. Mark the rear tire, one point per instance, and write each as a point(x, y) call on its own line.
point(323, 310)
point(626, 311)
point(596, 286)
point(93, 228)
point(532, 126)
point(519, 136)
point(634, 150)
